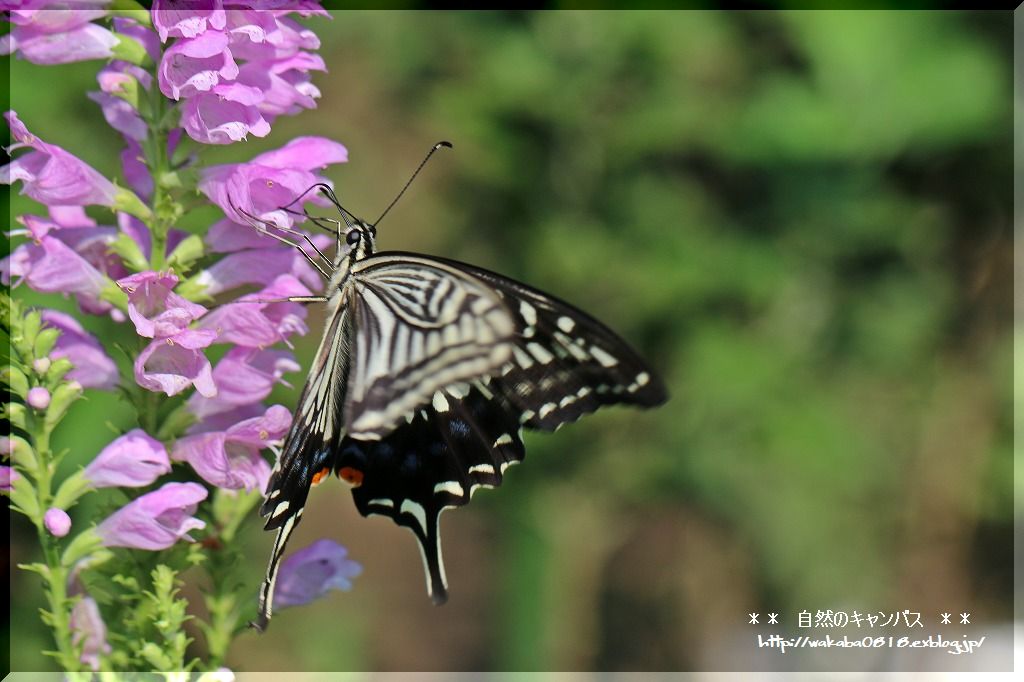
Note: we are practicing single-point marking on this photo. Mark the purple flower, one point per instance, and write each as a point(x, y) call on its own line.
point(93, 368)
point(51, 175)
point(89, 632)
point(58, 35)
point(271, 180)
point(231, 459)
point(147, 38)
point(226, 114)
point(38, 397)
point(67, 260)
point(131, 461)
point(286, 84)
point(253, 324)
point(57, 522)
point(244, 376)
point(313, 571)
point(195, 65)
point(172, 364)
point(120, 114)
point(153, 306)
point(255, 266)
point(136, 173)
point(155, 520)
point(7, 478)
point(188, 19)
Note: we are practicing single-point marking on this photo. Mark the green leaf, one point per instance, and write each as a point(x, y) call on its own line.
point(127, 201)
point(130, 50)
point(73, 487)
point(25, 499)
point(186, 253)
point(129, 251)
point(16, 379)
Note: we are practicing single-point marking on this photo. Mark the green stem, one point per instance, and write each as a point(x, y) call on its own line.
point(56, 574)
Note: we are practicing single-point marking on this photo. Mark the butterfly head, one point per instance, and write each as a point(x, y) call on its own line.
point(361, 241)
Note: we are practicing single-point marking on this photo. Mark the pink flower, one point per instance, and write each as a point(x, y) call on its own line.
point(231, 459)
point(93, 368)
point(313, 571)
point(256, 266)
point(155, 520)
point(172, 364)
point(7, 478)
point(57, 522)
point(271, 180)
point(188, 19)
point(244, 376)
point(136, 173)
point(88, 631)
point(226, 114)
point(131, 461)
point(58, 35)
point(51, 175)
point(196, 65)
point(154, 307)
point(249, 323)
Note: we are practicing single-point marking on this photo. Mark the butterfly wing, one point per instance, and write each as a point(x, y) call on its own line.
point(433, 462)
point(422, 324)
point(464, 435)
point(403, 328)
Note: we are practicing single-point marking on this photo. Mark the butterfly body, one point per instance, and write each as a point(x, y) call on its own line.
point(426, 374)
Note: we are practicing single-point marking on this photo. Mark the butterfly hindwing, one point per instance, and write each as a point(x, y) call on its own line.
point(462, 440)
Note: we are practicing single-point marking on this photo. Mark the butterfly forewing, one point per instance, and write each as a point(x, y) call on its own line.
point(421, 325)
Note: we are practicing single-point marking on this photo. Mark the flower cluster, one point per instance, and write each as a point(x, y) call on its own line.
point(212, 73)
point(235, 69)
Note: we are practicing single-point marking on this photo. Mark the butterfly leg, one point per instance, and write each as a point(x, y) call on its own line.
point(261, 227)
point(319, 221)
point(287, 299)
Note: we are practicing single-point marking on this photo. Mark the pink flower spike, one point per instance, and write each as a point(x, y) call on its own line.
point(170, 365)
point(231, 459)
point(57, 522)
point(155, 309)
point(155, 520)
point(93, 367)
point(135, 459)
point(51, 175)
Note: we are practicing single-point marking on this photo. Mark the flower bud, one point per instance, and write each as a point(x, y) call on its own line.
point(15, 413)
point(57, 521)
point(45, 341)
point(41, 365)
point(16, 379)
point(127, 201)
point(38, 397)
point(58, 368)
point(130, 50)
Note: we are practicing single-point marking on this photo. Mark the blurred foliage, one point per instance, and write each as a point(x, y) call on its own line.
point(802, 219)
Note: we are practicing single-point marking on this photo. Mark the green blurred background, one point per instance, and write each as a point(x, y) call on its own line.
point(802, 219)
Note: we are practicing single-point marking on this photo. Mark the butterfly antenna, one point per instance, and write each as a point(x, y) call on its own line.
point(442, 143)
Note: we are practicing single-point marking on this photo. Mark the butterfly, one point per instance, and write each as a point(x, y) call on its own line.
point(427, 372)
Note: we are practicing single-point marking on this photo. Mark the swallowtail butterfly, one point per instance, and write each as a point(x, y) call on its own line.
point(427, 372)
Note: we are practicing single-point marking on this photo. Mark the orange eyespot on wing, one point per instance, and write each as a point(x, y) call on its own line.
point(321, 475)
point(352, 476)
